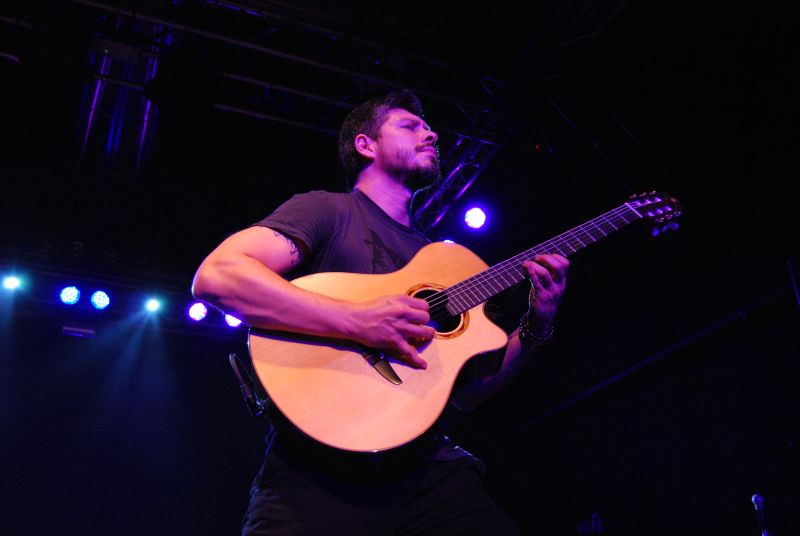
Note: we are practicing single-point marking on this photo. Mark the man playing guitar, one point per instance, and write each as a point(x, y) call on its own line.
point(427, 485)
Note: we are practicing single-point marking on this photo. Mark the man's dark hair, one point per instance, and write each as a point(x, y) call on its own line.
point(367, 119)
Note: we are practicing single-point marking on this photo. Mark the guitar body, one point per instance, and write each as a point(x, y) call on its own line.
point(329, 390)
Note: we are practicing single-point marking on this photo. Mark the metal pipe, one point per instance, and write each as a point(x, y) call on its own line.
point(267, 50)
point(259, 115)
point(9, 56)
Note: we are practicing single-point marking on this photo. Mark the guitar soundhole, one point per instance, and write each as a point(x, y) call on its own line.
point(441, 320)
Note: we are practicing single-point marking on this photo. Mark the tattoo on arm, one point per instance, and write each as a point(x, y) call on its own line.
point(294, 251)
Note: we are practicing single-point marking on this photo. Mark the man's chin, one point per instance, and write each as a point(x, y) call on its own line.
point(423, 178)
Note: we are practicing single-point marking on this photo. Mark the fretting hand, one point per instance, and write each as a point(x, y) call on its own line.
point(548, 275)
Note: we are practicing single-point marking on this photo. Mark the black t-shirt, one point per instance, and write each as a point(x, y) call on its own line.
point(345, 232)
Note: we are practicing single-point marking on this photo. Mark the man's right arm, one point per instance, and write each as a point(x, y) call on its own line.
point(242, 276)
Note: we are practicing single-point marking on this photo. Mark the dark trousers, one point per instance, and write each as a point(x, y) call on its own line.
point(317, 491)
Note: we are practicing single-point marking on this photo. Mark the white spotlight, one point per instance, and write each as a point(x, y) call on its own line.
point(11, 282)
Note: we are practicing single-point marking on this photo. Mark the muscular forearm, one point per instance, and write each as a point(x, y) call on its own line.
point(243, 286)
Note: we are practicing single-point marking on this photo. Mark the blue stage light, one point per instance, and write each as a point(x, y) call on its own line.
point(152, 305)
point(11, 282)
point(197, 312)
point(232, 321)
point(475, 218)
point(100, 300)
point(70, 295)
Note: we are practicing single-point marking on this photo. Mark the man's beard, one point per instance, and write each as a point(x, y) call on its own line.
point(419, 177)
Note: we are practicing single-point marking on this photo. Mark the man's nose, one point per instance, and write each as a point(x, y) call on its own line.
point(430, 137)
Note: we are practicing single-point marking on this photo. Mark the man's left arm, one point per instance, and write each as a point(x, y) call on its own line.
point(548, 276)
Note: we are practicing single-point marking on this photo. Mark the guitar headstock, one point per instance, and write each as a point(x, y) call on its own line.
point(659, 207)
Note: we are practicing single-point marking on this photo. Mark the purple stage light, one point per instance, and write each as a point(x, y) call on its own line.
point(197, 312)
point(232, 321)
point(475, 218)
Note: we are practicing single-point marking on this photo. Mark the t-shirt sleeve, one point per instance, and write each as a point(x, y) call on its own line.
point(309, 217)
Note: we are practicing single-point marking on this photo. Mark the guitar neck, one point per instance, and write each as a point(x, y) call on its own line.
point(477, 289)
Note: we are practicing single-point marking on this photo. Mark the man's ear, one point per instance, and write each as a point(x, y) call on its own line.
point(365, 146)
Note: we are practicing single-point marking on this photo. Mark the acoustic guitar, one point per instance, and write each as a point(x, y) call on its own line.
point(359, 399)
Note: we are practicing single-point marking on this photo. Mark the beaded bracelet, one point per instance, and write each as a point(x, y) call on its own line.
point(529, 339)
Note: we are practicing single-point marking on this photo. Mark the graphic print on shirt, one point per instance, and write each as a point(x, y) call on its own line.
point(384, 259)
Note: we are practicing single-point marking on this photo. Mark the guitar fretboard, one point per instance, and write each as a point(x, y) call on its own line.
point(477, 289)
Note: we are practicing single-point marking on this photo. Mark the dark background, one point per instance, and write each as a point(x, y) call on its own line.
point(669, 396)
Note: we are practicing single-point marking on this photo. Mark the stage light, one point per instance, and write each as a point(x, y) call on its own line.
point(11, 282)
point(100, 300)
point(197, 312)
point(70, 295)
point(475, 218)
point(152, 305)
point(232, 321)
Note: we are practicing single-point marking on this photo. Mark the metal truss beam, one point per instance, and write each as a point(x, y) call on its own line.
point(285, 64)
point(314, 74)
point(467, 159)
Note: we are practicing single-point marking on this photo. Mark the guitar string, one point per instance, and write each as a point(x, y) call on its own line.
point(511, 270)
point(471, 285)
point(564, 239)
point(573, 236)
point(439, 299)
